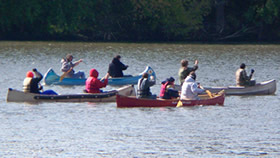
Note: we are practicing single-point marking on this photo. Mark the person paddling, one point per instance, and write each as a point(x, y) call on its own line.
point(191, 88)
point(116, 67)
point(68, 67)
point(31, 84)
point(241, 77)
point(93, 84)
point(143, 87)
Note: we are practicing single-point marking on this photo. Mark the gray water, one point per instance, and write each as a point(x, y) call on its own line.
point(246, 126)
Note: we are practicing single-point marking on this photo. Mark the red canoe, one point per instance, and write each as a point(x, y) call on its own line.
point(131, 102)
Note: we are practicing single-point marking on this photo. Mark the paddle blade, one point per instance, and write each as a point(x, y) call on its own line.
point(179, 104)
point(209, 93)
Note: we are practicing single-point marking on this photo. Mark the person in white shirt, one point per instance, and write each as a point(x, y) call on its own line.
point(191, 88)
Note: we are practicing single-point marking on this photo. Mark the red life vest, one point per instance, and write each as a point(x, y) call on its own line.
point(163, 89)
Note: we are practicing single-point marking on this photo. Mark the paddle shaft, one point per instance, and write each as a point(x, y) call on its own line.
point(65, 74)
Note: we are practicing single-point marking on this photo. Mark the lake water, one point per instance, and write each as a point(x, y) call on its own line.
point(246, 126)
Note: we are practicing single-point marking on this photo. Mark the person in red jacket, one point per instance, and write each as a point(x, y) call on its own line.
point(93, 84)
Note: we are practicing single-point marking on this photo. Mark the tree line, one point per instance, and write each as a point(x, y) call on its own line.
point(140, 20)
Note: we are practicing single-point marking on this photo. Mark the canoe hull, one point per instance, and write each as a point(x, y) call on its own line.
point(131, 102)
point(51, 78)
point(262, 88)
point(19, 96)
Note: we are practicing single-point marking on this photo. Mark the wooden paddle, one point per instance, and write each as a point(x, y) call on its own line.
point(209, 93)
point(179, 104)
point(64, 74)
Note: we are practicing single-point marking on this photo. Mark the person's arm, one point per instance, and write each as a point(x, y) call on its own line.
point(101, 84)
point(123, 67)
point(38, 76)
point(251, 75)
point(195, 89)
point(77, 62)
point(244, 76)
point(195, 66)
point(152, 81)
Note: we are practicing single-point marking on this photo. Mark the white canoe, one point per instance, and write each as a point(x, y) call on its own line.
point(262, 88)
point(110, 96)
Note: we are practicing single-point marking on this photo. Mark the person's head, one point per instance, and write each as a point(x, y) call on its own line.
point(93, 73)
point(145, 75)
point(242, 66)
point(171, 80)
point(29, 74)
point(184, 63)
point(118, 57)
point(192, 75)
point(69, 57)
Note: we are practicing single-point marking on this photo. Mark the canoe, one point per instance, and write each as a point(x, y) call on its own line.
point(262, 88)
point(51, 78)
point(110, 96)
point(131, 102)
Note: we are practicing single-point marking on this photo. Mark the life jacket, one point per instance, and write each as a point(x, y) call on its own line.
point(163, 89)
point(27, 84)
point(141, 90)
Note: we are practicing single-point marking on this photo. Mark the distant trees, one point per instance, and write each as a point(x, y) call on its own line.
point(140, 20)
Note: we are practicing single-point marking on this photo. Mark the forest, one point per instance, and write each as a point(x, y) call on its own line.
point(141, 20)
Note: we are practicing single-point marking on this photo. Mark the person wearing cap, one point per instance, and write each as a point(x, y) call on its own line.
point(143, 87)
point(167, 90)
point(93, 84)
point(241, 77)
point(67, 64)
point(31, 84)
point(184, 70)
point(191, 88)
point(116, 67)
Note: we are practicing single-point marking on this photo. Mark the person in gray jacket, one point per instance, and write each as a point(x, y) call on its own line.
point(68, 65)
point(143, 87)
point(191, 88)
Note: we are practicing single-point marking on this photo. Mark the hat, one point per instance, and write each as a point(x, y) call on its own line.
point(29, 74)
point(171, 79)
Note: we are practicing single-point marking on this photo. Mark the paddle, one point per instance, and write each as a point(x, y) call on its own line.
point(64, 74)
point(209, 93)
point(179, 104)
point(67, 72)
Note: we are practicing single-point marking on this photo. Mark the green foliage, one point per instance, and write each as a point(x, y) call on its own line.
point(139, 20)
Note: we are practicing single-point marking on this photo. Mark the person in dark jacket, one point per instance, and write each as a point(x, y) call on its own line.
point(143, 88)
point(31, 84)
point(116, 67)
point(184, 71)
point(93, 84)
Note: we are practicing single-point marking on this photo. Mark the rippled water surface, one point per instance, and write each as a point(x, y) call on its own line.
point(246, 126)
